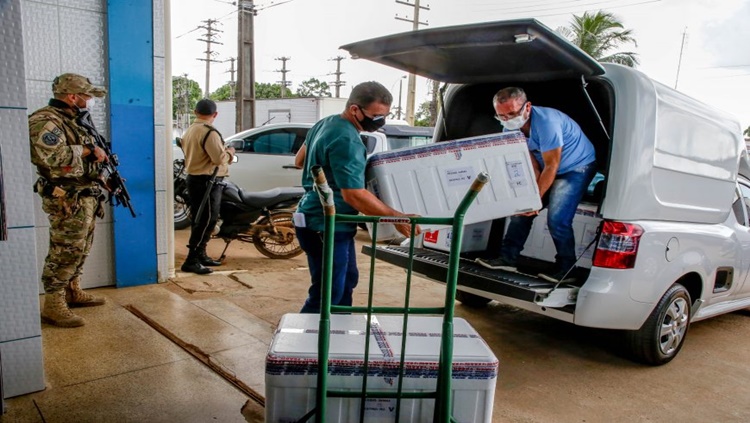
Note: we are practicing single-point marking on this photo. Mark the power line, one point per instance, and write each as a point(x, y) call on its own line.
point(730, 76)
point(577, 10)
point(542, 5)
point(530, 8)
point(725, 67)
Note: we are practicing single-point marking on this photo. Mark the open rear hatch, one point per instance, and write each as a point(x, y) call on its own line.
point(516, 50)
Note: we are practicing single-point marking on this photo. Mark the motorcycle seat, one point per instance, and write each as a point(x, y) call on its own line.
point(270, 197)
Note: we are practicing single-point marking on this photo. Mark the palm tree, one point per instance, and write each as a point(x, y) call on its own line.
point(598, 34)
point(747, 132)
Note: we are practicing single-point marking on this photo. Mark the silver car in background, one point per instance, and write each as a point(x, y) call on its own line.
point(266, 154)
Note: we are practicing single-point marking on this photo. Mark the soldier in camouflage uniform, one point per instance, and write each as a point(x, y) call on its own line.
point(67, 162)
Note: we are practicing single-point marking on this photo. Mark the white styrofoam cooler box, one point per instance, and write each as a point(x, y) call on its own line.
point(539, 245)
point(475, 238)
point(431, 180)
point(291, 368)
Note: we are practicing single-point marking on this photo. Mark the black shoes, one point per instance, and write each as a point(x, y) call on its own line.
point(499, 263)
point(208, 261)
point(204, 259)
point(195, 266)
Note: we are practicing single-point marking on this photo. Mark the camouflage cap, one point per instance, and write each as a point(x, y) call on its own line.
point(71, 83)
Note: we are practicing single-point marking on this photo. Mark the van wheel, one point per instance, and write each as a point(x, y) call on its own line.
point(471, 300)
point(661, 337)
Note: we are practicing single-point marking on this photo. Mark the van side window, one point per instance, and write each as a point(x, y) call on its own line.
point(741, 204)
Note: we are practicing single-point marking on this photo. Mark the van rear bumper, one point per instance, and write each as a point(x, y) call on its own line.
point(604, 301)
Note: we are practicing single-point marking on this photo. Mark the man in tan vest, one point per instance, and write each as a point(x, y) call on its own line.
point(204, 152)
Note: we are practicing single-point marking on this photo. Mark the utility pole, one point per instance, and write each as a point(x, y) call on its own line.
point(184, 105)
point(412, 88)
point(211, 32)
point(232, 84)
point(338, 83)
point(245, 117)
point(284, 83)
point(679, 61)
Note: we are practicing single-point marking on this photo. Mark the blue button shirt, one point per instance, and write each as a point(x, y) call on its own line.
point(551, 129)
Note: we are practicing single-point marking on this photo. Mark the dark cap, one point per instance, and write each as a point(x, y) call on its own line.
point(205, 107)
point(71, 83)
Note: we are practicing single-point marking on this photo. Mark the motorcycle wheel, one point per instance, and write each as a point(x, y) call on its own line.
point(181, 213)
point(283, 245)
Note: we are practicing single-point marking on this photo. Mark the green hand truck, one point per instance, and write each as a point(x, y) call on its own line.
point(442, 394)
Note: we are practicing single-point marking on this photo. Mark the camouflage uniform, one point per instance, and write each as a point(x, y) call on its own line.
point(67, 183)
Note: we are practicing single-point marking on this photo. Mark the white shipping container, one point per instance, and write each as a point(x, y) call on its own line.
point(539, 245)
point(291, 368)
point(431, 180)
point(475, 238)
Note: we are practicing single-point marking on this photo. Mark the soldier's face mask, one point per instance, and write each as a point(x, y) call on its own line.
point(90, 102)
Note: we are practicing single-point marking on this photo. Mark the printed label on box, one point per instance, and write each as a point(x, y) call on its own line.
point(516, 175)
point(459, 176)
point(380, 407)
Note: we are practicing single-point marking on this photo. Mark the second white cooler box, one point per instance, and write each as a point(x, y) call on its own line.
point(292, 367)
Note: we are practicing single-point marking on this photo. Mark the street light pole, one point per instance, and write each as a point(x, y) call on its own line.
point(400, 86)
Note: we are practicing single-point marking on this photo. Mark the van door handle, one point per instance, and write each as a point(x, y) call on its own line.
point(289, 167)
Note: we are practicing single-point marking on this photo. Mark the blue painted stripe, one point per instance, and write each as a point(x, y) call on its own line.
point(131, 95)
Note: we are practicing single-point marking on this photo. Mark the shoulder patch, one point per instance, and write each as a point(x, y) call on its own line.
point(50, 139)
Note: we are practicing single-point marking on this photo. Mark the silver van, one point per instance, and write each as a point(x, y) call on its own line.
point(670, 242)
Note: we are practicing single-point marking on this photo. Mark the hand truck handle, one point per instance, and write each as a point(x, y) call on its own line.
point(325, 193)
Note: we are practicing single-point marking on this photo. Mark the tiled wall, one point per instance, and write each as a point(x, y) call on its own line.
point(58, 37)
point(20, 331)
point(40, 39)
point(163, 170)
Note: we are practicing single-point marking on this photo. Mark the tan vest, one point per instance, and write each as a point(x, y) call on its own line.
point(201, 157)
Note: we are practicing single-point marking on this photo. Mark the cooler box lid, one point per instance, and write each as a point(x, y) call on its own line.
point(294, 349)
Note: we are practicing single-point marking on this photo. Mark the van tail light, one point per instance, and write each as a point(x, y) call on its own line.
point(618, 245)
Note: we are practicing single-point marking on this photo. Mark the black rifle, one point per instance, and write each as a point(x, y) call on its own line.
point(109, 177)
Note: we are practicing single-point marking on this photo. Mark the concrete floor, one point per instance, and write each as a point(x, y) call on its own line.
point(118, 368)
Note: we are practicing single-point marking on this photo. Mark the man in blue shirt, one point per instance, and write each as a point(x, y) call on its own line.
point(334, 143)
point(564, 162)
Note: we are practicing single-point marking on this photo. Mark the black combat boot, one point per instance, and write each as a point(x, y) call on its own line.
point(193, 265)
point(204, 259)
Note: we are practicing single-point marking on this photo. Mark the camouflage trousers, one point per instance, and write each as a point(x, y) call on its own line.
point(71, 233)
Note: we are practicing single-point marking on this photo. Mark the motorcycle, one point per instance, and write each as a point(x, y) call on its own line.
point(262, 218)
point(181, 205)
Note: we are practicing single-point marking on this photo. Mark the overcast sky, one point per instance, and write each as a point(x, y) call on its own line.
point(715, 66)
